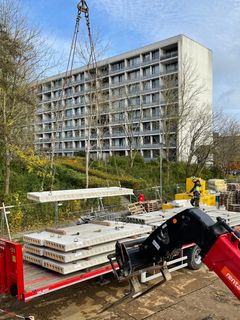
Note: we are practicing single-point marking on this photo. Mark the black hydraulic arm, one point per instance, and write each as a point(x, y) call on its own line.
point(189, 226)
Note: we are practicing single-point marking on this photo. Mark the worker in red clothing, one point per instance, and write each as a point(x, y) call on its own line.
point(196, 189)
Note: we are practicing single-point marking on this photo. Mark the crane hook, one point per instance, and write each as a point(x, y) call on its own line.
point(82, 6)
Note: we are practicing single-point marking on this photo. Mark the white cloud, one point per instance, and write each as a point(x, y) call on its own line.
point(214, 23)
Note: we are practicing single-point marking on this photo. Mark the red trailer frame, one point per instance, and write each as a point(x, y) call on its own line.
point(27, 281)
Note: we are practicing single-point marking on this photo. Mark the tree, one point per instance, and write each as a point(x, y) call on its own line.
point(186, 121)
point(226, 143)
point(21, 63)
point(127, 101)
point(89, 51)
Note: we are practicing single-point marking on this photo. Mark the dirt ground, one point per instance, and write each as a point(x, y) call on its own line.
point(195, 295)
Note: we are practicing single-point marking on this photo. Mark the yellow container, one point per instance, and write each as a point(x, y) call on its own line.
point(211, 200)
point(182, 196)
point(167, 206)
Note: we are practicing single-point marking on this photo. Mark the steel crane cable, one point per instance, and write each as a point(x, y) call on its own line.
point(82, 7)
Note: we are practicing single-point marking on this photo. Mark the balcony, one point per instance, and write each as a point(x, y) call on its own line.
point(169, 55)
point(172, 70)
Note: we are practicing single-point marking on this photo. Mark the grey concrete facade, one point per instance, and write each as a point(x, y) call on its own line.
point(130, 112)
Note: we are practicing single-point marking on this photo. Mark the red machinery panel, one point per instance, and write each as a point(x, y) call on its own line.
point(224, 259)
point(11, 268)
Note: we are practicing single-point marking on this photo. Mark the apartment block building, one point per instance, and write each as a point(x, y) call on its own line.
point(131, 109)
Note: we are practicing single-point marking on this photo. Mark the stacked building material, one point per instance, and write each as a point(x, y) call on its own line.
point(218, 185)
point(230, 217)
point(231, 198)
point(136, 208)
point(155, 219)
point(233, 186)
point(152, 217)
point(151, 205)
point(79, 247)
point(234, 207)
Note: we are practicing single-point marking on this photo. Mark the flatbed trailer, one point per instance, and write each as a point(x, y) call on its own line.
point(26, 281)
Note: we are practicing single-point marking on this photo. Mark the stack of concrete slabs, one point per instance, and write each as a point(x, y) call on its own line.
point(232, 218)
point(66, 268)
point(79, 247)
point(98, 235)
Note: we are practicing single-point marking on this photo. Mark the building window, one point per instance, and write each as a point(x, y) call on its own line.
point(156, 153)
point(155, 125)
point(135, 115)
point(147, 154)
point(146, 126)
point(146, 57)
point(155, 97)
point(155, 112)
point(118, 79)
point(118, 116)
point(155, 83)
point(147, 99)
point(118, 142)
point(68, 113)
point(155, 55)
point(134, 61)
point(147, 140)
point(171, 67)
point(155, 139)
point(146, 85)
point(117, 66)
point(146, 72)
point(134, 101)
point(146, 113)
point(134, 88)
point(118, 92)
point(155, 69)
point(134, 75)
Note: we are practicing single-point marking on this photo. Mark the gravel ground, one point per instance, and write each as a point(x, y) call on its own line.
point(195, 295)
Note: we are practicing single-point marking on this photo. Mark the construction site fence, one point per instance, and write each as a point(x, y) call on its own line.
point(31, 216)
point(165, 193)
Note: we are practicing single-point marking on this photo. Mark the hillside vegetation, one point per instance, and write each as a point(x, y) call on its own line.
point(29, 175)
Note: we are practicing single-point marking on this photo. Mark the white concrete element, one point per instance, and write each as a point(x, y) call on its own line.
point(231, 218)
point(77, 194)
point(99, 236)
point(150, 217)
point(36, 238)
point(33, 259)
point(66, 268)
point(86, 238)
point(30, 248)
point(79, 254)
point(75, 255)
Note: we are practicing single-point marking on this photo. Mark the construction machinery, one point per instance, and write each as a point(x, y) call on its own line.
point(219, 244)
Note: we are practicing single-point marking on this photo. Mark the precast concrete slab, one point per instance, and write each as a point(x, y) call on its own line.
point(87, 236)
point(66, 268)
point(84, 253)
point(78, 229)
point(99, 236)
point(36, 238)
point(151, 217)
point(79, 254)
point(78, 194)
point(30, 248)
point(33, 258)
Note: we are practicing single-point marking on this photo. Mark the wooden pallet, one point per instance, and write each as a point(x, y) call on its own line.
point(136, 208)
point(152, 205)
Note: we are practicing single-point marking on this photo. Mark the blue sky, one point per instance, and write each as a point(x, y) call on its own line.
point(127, 24)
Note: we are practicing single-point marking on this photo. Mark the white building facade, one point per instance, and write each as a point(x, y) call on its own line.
point(129, 113)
